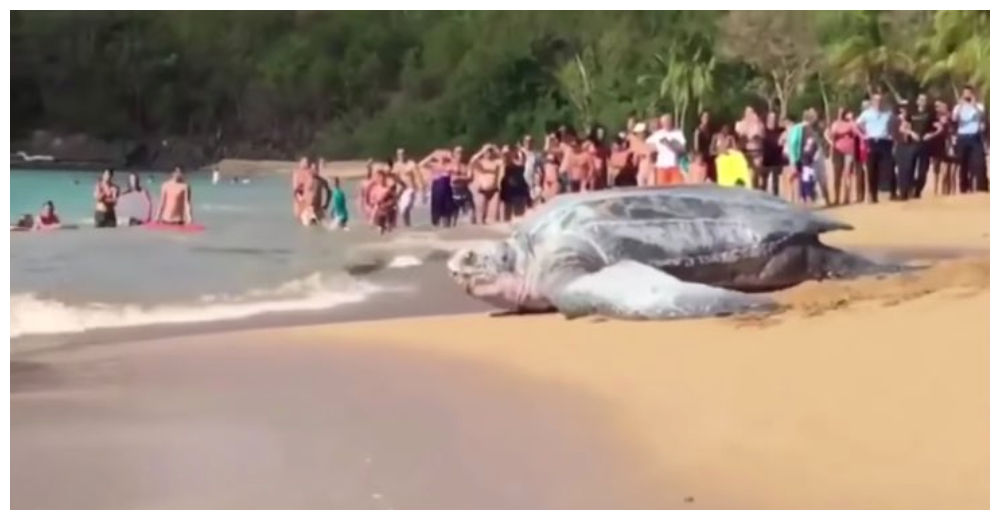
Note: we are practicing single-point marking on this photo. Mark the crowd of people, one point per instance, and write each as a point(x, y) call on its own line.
point(850, 159)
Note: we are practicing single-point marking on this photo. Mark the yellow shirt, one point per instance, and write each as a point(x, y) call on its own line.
point(731, 168)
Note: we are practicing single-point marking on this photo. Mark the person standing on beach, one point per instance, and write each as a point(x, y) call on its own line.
point(773, 159)
point(439, 164)
point(643, 155)
point(969, 115)
point(703, 148)
point(669, 144)
point(874, 124)
point(907, 148)
point(750, 135)
point(105, 198)
point(842, 134)
point(924, 123)
point(175, 200)
point(486, 166)
point(532, 169)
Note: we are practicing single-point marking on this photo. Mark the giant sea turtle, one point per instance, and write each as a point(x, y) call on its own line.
point(655, 253)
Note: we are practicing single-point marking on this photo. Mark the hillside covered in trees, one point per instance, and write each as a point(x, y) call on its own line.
point(354, 84)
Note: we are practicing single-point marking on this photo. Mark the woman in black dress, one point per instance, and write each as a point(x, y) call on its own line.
point(774, 159)
point(514, 189)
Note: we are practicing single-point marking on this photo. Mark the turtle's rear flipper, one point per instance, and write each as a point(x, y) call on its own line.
point(841, 264)
point(631, 290)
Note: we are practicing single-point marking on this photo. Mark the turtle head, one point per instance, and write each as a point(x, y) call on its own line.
point(487, 271)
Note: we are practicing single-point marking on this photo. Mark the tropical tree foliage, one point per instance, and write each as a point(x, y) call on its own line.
point(348, 84)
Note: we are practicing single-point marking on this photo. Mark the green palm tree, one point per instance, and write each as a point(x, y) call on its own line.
point(873, 54)
point(958, 50)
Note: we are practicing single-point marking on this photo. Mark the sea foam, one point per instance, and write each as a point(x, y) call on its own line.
point(31, 314)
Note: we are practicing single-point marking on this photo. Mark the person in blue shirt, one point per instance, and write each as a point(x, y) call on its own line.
point(969, 117)
point(875, 124)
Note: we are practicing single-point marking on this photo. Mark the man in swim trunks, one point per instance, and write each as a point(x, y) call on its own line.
point(317, 193)
point(669, 144)
point(577, 164)
point(105, 197)
point(405, 169)
point(486, 166)
point(175, 200)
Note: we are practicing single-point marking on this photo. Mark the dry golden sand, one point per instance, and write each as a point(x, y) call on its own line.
point(864, 394)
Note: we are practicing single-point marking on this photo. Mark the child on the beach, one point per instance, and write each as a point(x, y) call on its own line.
point(339, 207)
point(807, 181)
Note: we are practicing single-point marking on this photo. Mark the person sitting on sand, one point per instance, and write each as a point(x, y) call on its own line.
point(338, 211)
point(105, 197)
point(47, 218)
point(175, 200)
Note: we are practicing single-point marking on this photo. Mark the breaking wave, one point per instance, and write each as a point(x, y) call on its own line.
point(31, 314)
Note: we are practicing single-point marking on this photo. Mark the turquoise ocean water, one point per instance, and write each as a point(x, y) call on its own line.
point(252, 258)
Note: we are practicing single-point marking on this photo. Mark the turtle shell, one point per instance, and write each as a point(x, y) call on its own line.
point(675, 225)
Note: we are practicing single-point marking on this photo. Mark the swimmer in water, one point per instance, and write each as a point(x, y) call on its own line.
point(47, 218)
point(175, 200)
point(105, 198)
point(134, 186)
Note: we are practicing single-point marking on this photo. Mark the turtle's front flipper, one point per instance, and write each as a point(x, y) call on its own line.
point(631, 290)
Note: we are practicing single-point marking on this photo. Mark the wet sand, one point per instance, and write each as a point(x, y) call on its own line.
point(870, 393)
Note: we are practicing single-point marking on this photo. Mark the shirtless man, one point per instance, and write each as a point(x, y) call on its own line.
point(300, 175)
point(382, 198)
point(486, 166)
point(175, 200)
point(405, 169)
point(105, 198)
point(642, 154)
point(317, 193)
point(578, 165)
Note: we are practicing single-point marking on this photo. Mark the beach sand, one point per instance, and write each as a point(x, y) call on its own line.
point(870, 393)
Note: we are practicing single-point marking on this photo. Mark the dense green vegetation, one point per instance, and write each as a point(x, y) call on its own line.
point(350, 84)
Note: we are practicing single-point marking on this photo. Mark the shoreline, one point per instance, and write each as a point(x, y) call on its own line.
point(869, 393)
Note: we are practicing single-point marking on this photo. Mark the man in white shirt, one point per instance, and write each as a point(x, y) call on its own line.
point(669, 143)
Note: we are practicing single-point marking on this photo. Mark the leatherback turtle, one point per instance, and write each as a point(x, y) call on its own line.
point(655, 253)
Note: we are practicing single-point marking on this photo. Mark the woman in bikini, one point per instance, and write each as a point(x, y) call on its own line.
point(486, 166)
